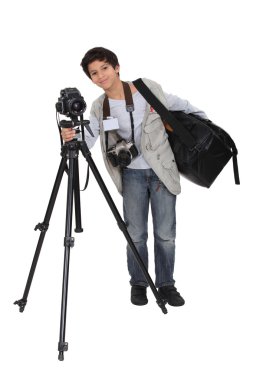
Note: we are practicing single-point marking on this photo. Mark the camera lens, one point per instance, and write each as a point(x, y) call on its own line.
point(124, 158)
point(77, 107)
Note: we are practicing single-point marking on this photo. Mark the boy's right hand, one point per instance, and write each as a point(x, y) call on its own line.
point(68, 134)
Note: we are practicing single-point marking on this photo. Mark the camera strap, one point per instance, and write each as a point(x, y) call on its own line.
point(129, 108)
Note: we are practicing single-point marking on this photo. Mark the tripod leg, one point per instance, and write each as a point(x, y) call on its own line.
point(43, 228)
point(77, 197)
point(68, 243)
point(86, 153)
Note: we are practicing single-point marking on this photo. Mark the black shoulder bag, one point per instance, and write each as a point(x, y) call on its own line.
point(201, 148)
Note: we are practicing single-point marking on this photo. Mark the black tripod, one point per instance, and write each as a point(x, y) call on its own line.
point(70, 152)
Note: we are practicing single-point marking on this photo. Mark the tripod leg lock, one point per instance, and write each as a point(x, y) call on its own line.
point(69, 242)
point(62, 346)
point(21, 303)
point(122, 225)
point(41, 226)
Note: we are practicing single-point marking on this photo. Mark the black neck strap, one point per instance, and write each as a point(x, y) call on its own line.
point(129, 108)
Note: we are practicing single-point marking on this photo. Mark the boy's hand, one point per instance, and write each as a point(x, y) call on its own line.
point(68, 134)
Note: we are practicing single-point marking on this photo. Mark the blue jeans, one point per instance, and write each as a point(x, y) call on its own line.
point(142, 187)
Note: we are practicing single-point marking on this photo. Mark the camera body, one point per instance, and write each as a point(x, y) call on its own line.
point(122, 153)
point(71, 103)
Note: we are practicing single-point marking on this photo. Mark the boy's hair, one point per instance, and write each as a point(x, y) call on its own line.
point(98, 54)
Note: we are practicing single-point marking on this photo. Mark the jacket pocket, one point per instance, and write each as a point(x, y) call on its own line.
point(170, 167)
point(155, 131)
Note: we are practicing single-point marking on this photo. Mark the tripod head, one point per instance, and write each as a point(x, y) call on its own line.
point(75, 123)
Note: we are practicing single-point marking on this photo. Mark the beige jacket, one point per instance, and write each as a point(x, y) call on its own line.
point(155, 146)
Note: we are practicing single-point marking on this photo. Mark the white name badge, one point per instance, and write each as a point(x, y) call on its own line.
point(110, 124)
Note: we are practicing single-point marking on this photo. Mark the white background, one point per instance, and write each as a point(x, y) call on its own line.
point(199, 50)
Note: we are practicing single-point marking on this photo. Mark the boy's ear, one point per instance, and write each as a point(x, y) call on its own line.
point(117, 68)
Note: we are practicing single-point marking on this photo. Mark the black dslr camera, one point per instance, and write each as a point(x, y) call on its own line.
point(122, 153)
point(71, 103)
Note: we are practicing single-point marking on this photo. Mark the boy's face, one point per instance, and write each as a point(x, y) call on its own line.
point(103, 74)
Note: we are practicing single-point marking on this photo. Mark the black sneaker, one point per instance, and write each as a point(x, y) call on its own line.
point(139, 295)
point(171, 295)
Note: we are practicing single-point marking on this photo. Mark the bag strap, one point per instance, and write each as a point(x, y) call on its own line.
point(166, 116)
point(182, 133)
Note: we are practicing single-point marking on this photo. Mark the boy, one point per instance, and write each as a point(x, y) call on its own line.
point(147, 174)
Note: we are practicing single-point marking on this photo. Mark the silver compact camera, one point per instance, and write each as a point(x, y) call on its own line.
point(122, 153)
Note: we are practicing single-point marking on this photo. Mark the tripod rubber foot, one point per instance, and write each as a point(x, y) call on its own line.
point(21, 303)
point(61, 356)
point(78, 230)
point(161, 304)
